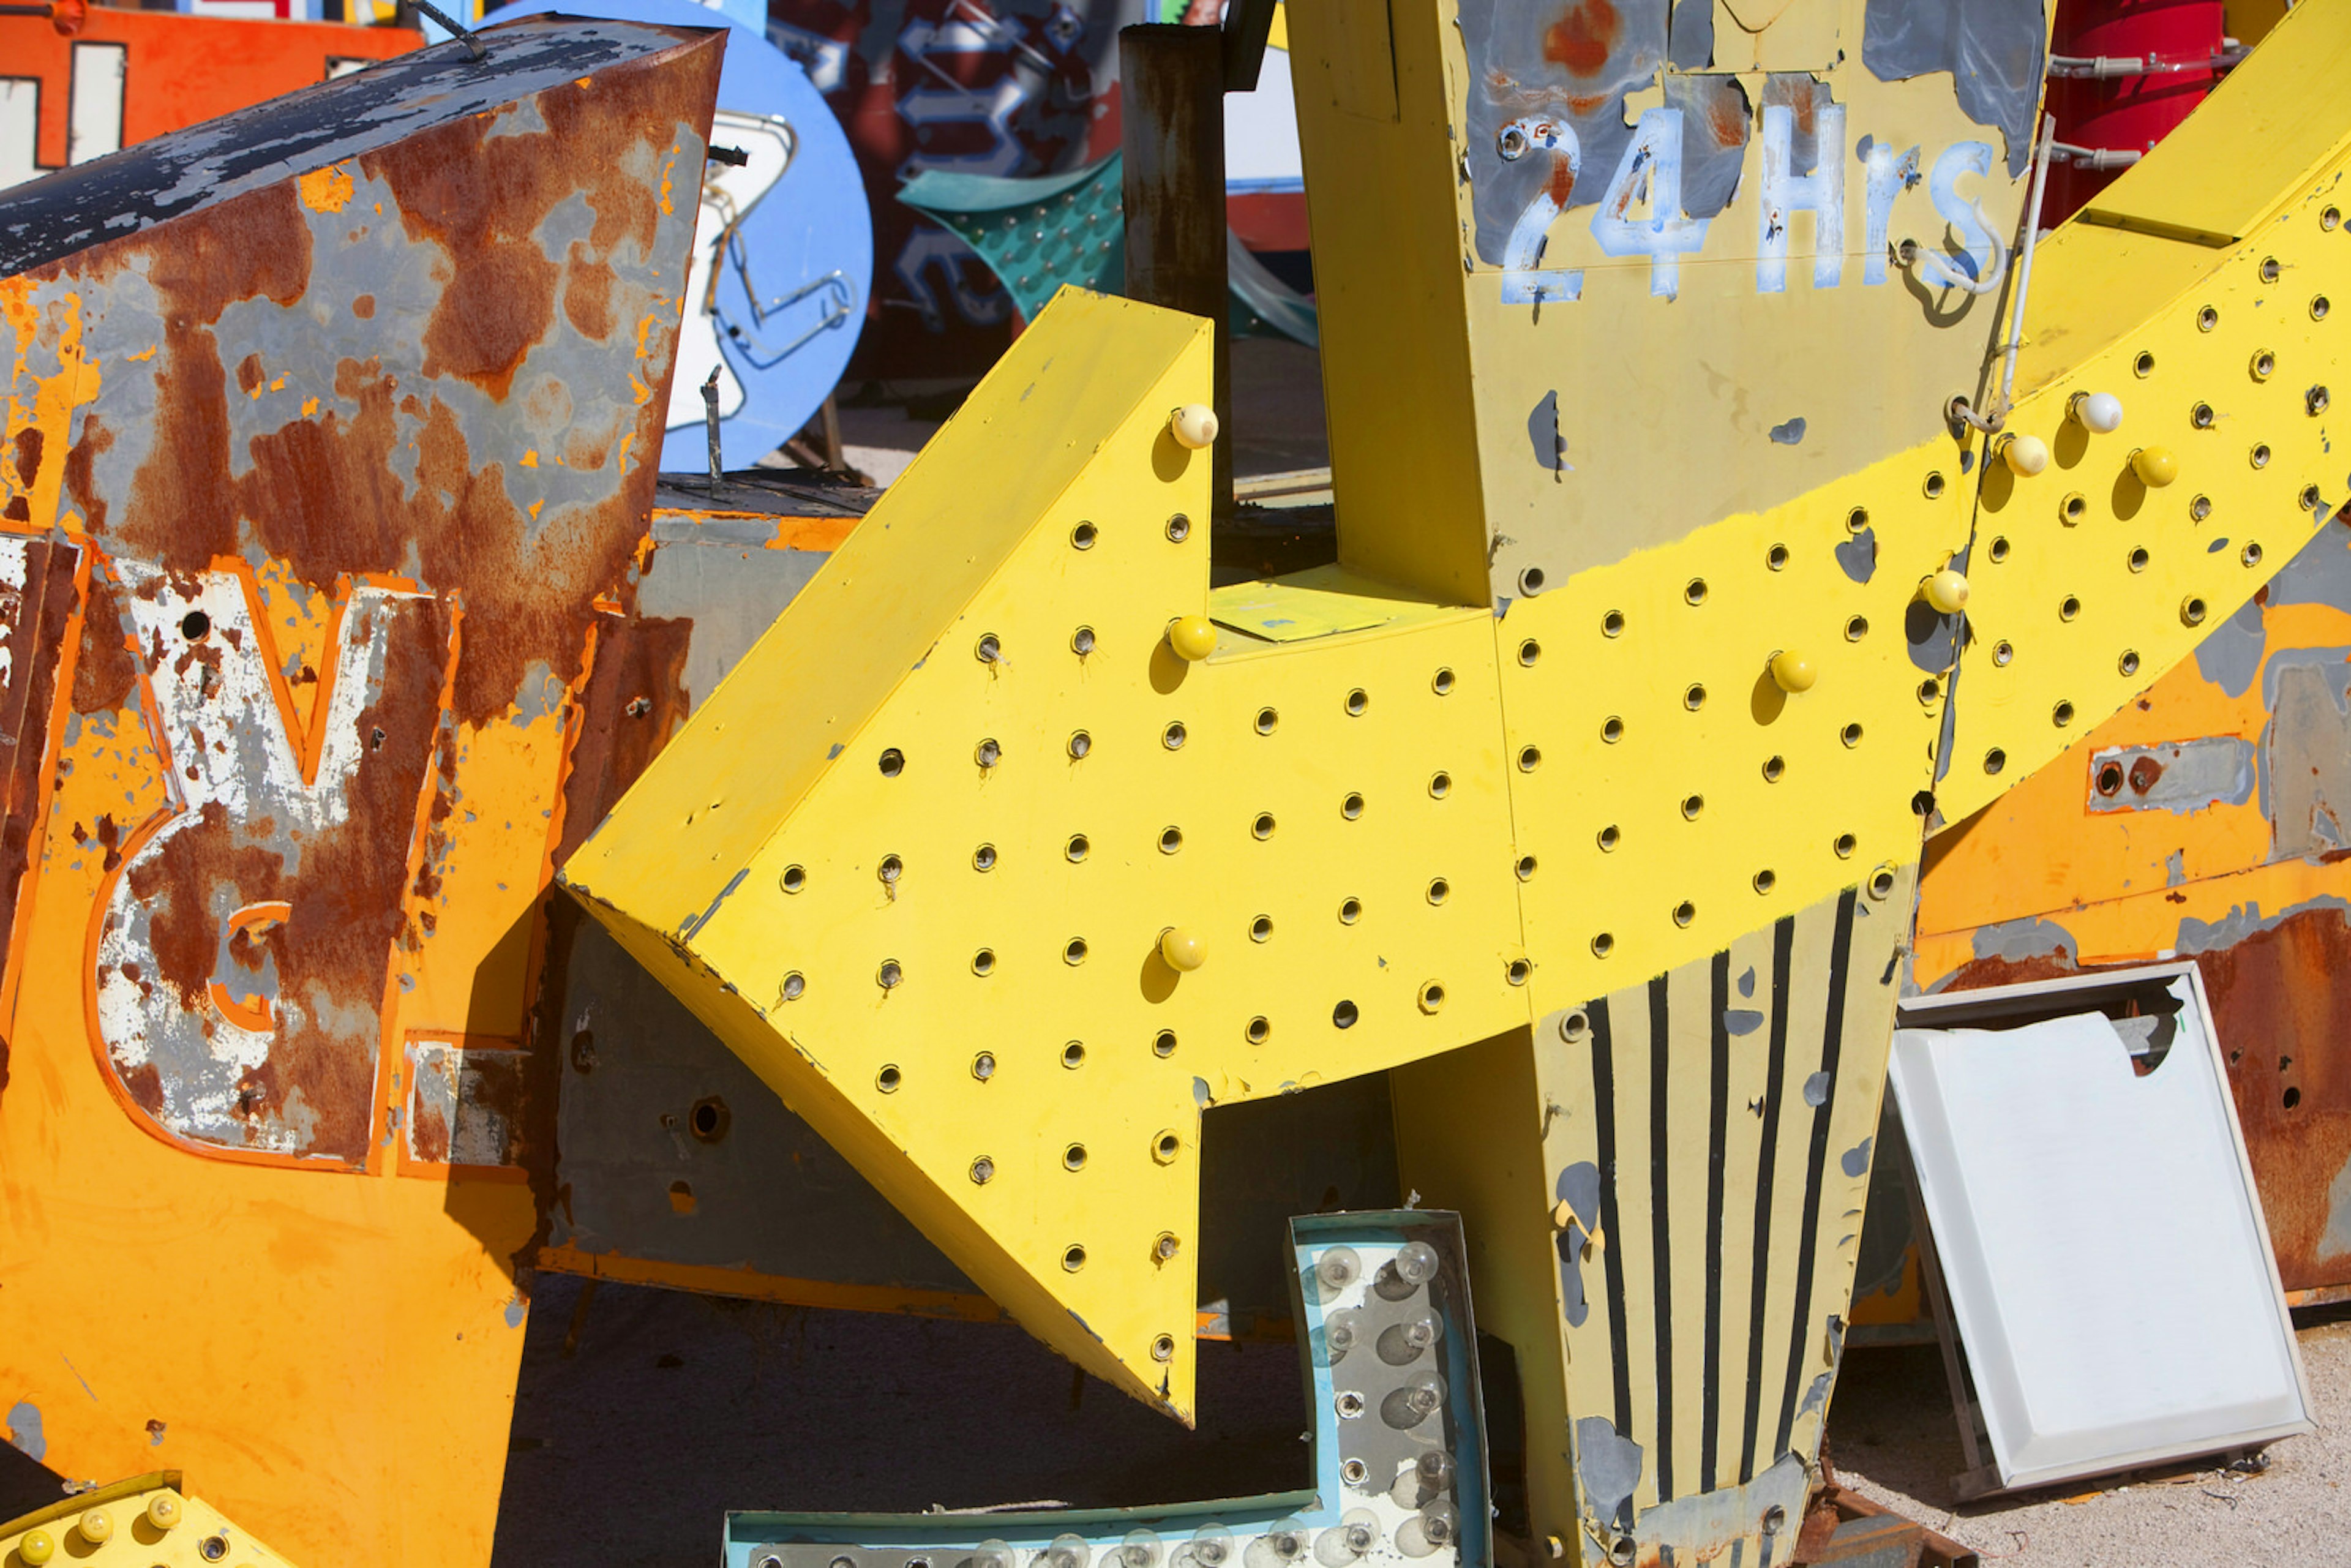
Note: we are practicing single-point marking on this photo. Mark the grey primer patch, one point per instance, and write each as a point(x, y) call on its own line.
point(1513, 79)
point(2217, 546)
point(724, 893)
point(1747, 982)
point(1542, 434)
point(1572, 1305)
point(1855, 1159)
point(1694, 1526)
point(2231, 655)
point(1858, 555)
point(25, 1428)
point(1742, 1020)
point(2179, 776)
point(2335, 1239)
point(2244, 920)
point(2031, 937)
point(834, 752)
point(1715, 117)
point(1200, 1092)
point(1816, 1090)
point(1609, 1466)
point(2306, 784)
point(2320, 572)
point(1789, 432)
point(2175, 868)
point(1579, 1188)
point(1689, 42)
point(1992, 48)
point(515, 1313)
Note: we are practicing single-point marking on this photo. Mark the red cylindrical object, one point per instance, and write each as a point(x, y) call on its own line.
point(2129, 111)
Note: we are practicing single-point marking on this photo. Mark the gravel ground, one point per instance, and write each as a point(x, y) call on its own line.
point(1891, 1438)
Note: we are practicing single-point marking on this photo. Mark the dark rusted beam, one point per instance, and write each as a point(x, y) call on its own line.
point(1173, 82)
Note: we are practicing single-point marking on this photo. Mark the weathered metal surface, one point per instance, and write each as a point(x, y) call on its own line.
point(2109, 857)
point(347, 403)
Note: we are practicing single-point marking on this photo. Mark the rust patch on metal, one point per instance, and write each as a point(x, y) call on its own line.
point(344, 904)
point(2282, 999)
point(1584, 36)
point(35, 610)
point(29, 444)
point(635, 699)
point(104, 670)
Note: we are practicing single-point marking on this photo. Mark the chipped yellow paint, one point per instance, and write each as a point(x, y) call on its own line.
point(326, 190)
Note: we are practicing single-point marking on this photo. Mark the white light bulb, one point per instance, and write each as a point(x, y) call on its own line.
point(2099, 411)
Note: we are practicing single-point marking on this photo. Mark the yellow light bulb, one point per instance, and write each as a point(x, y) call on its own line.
point(2154, 466)
point(1947, 591)
point(1193, 424)
point(163, 1509)
point(1193, 637)
point(36, 1547)
point(97, 1526)
point(1791, 671)
point(1183, 950)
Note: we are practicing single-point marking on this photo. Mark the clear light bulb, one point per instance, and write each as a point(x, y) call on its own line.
point(1337, 1267)
point(1066, 1552)
point(1402, 1343)
point(1139, 1550)
point(1407, 1407)
point(1340, 1332)
point(1357, 1532)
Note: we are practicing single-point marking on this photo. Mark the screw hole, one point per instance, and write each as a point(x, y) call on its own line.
point(2251, 554)
point(1692, 805)
point(983, 963)
point(1693, 698)
point(1440, 786)
point(989, 649)
point(893, 762)
point(2144, 364)
point(890, 975)
point(1850, 735)
point(2062, 715)
point(1075, 952)
point(1530, 651)
point(1765, 882)
point(1685, 912)
point(1609, 837)
point(1525, 868)
point(1163, 1348)
point(1260, 1031)
point(2129, 663)
point(1073, 1158)
point(1844, 846)
point(1613, 624)
point(2138, 559)
point(1774, 766)
point(1531, 582)
point(983, 858)
point(2207, 318)
point(2318, 308)
point(2259, 456)
point(2110, 778)
point(2068, 607)
point(2002, 651)
point(709, 1119)
point(1994, 760)
point(1344, 1016)
point(1262, 929)
point(1357, 701)
point(1856, 519)
point(1081, 640)
point(1530, 759)
point(1083, 536)
point(1073, 1055)
point(1439, 890)
point(1603, 945)
point(1352, 807)
point(195, 625)
point(987, 754)
point(888, 1079)
point(1613, 730)
point(2199, 509)
point(1263, 827)
point(1267, 718)
point(2201, 416)
point(1179, 528)
point(1999, 551)
point(1170, 840)
point(983, 1171)
point(1163, 1044)
point(1442, 684)
point(2192, 611)
point(1073, 1259)
point(1776, 557)
point(2075, 507)
point(1174, 736)
point(2270, 269)
point(983, 1066)
point(1856, 629)
point(795, 985)
point(1695, 592)
point(1076, 849)
point(1350, 911)
point(1934, 487)
point(1517, 971)
point(1432, 996)
point(795, 878)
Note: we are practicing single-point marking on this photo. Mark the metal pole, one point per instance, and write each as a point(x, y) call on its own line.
point(1172, 84)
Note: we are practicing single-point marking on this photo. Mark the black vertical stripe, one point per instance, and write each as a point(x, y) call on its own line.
point(1800, 1330)
point(1719, 1130)
point(1611, 1251)
point(1661, 1251)
point(1784, 941)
